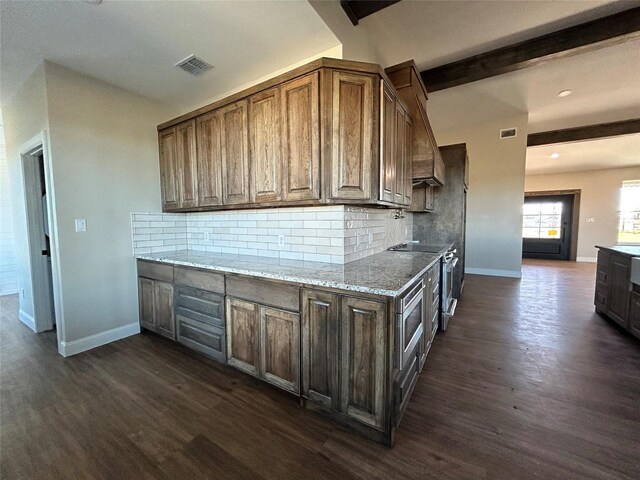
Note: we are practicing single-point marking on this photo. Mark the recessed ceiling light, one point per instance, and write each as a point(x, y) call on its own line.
point(555, 155)
point(564, 93)
point(93, 2)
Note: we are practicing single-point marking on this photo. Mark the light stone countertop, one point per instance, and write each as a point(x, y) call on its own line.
point(630, 250)
point(386, 273)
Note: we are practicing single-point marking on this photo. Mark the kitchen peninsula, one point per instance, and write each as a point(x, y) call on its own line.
point(349, 339)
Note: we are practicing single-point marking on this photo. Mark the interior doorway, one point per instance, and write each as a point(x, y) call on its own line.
point(39, 234)
point(550, 225)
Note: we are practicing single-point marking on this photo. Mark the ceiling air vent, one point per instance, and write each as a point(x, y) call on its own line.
point(508, 133)
point(193, 65)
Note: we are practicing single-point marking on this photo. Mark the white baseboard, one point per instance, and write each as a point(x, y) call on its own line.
point(587, 259)
point(493, 273)
point(27, 319)
point(92, 341)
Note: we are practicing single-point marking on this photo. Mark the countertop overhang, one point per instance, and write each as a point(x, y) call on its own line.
point(385, 273)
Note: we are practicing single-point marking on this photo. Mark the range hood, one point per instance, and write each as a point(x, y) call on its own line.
point(427, 163)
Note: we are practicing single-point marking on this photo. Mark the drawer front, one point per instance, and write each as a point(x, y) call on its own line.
point(404, 386)
point(209, 281)
point(202, 337)
point(156, 271)
point(264, 292)
point(205, 307)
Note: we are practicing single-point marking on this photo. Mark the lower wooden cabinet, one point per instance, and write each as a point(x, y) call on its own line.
point(320, 321)
point(156, 307)
point(344, 359)
point(432, 312)
point(615, 295)
point(363, 360)
point(264, 342)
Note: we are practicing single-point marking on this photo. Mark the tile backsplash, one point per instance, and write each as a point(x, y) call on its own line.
point(333, 234)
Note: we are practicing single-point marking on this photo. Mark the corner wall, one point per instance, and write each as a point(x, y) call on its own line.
point(599, 199)
point(495, 197)
point(25, 116)
point(104, 153)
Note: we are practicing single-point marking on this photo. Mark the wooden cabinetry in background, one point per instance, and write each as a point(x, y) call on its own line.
point(615, 295)
point(263, 147)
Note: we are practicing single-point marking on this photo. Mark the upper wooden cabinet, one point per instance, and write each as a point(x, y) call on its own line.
point(330, 132)
point(168, 169)
point(266, 156)
point(427, 162)
point(300, 116)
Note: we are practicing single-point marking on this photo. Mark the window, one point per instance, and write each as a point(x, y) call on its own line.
point(629, 215)
point(542, 220)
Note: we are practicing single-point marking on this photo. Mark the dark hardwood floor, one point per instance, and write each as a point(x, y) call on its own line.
point(528, 382)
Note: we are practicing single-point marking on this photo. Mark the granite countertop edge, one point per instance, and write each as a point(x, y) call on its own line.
point(258, 273)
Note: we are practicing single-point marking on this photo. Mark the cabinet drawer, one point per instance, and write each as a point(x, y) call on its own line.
point(156, 271)
point(264, 292)
point(404, 386)
point(205, 307)
point(202, 337)
point(209, 281)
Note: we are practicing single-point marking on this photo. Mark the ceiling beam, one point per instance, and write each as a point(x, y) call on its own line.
point(603, 32)
point(356, 10)
point(625, 127)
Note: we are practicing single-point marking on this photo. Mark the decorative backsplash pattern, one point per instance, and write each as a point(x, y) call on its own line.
point(332, 234)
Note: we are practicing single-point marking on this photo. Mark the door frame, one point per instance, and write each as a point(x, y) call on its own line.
point(29, 151)
point(575, 216)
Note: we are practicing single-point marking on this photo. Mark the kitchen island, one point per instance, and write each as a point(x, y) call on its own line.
point(349, 340)
point(617, 294)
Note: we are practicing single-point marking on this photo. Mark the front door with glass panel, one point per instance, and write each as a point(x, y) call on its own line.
point(546, 227)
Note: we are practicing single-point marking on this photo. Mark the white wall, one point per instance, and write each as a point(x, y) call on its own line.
point(599, 199)
point(104, 152)
point(8, 260)
point(494, 201)
point(25, 116)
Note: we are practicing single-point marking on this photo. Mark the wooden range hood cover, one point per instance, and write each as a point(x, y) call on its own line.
point(428, 167)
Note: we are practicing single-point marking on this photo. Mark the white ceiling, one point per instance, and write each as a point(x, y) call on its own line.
point(135, 44)
point(612, 152)
point(605, 82)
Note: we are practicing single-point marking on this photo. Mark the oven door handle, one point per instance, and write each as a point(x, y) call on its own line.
point(454, 262)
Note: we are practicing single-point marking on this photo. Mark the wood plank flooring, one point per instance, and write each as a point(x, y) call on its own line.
point(527, 383)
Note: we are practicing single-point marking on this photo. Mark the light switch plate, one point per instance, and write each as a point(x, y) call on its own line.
point(591, 220)
point(81, 225)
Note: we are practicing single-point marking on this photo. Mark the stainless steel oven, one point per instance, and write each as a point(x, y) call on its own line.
point(448, 303)
point(410, 313)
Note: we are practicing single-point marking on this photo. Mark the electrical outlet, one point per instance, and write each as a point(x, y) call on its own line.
point(22, 292)
point(206, 236)
point(81, 225)
point(591, 220)
point(281, 240)
point(370, 238)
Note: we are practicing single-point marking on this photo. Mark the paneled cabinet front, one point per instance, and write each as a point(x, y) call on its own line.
point(325, 136)
point(264, 342)
point(344, 355)
point(156, 306)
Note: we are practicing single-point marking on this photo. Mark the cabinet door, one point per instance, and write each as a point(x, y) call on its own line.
point(266, 154)
point(618, 298)
point(168, 169)
point(146, 305)
point(301, 138)
point(280, 348)
point(634, 314)
point(400, 154)
point(187, 164)
point(319, 347)
point(165, 322)
point(234, 136)
point(243, 335)
point(352, 136)
point(209, 160)
point(602, 281)
point(408, 164)
point(387, 144)
point(363, 360)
